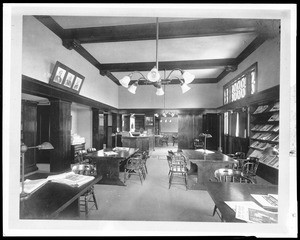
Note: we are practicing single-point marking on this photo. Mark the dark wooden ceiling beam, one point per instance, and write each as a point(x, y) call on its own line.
point(71, 43)
point(255, 44)
point(167, 30)
point(169, 65)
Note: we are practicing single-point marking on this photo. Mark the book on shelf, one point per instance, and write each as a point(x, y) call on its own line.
point(274, 117)
point(275, 128)
point(275, 107)
point(269, 201)
point(276, 138)
point(31, 186)
point(256, 153)
point(266, 127)
point(256, 135)
point(71, 179)
point(260, 109)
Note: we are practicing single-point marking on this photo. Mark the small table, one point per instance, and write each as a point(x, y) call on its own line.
point(53, 200)
point(108, 166)
point(226, 191)
point(206, 162)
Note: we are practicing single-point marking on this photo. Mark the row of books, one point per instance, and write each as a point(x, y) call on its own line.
point(270, 160)
point(260, 145)
point(264, 108)
point(255, 153)
point(266, 136)
point(264, 127)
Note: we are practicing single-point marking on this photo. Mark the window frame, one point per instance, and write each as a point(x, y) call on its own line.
point(247, 74)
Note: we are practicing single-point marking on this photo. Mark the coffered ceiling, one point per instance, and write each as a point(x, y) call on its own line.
point(208, 48)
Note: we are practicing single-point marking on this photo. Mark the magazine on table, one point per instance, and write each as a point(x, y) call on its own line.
point(251, 212)
point(70, 178)
point(267, 200)
point(31, 186)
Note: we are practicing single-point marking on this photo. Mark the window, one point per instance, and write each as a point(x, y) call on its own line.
point(226, 123)
point(243, 85)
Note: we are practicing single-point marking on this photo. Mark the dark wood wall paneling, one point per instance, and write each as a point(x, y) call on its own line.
point(211, 126)
point(60, 124)
point(29, 132)
point(43, 132)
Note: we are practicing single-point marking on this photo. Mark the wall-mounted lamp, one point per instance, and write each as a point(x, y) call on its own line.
point(24, 148)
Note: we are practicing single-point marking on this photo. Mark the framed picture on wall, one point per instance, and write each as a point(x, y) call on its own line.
point(66, 78)
point(149, 121)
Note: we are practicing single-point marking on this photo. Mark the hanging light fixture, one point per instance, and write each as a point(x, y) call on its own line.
point(154, 77)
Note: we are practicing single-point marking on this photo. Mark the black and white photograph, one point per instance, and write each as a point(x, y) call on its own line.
point(69, 80)
point(149, 120)
point(77, 83)
point(60, 74)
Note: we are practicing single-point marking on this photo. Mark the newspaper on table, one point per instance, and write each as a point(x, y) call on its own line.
point(250, 212)
point(70, 178)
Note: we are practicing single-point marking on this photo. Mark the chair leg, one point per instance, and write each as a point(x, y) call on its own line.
point(125, 175)
point(95, 201)
point(140, 174)
point(170, 180)
point(86, 205)
point(185, 180)
point(215, 209)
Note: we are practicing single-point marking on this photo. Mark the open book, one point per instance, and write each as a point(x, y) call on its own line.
point(32, 185)
point(70, 178)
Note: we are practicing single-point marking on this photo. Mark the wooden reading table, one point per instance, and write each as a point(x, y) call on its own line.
point(53, 200)
point(109, 165)
point(226, 191)
point(206, 162)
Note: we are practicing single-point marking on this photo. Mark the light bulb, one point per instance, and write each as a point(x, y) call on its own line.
point(133, 88)
point(188, 77)
point(160, 91)
point(185, 88)
point(153, 75)
point(125, 81)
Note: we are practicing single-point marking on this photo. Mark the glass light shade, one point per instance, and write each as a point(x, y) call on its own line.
point(188, 77)
point(160, 91)
point(125, 81)
point(153, 75)
point(185, 88)
point(132, 88)
point(45, 145)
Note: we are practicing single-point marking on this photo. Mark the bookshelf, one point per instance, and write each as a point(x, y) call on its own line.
point(264, 132)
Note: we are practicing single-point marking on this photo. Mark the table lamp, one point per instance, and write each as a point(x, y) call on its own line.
point(24, 148)
point(205, 135)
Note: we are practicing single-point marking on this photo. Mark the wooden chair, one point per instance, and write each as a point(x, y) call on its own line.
point(229, 175)
point(165, 139)
point(133, 167)
point(175, 139)
point(87, 198)
point(249, 168)
point(198, 144)
point(177, 167)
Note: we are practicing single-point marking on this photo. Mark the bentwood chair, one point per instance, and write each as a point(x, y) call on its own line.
point(229, 175)
point(87, 200)
point(133, 167)
point(249, 168)
point(178, 168)
point(144, 156)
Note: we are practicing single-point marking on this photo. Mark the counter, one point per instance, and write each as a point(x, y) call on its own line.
point(143, 143)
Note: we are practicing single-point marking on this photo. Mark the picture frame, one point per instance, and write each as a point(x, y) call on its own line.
point(66, 78)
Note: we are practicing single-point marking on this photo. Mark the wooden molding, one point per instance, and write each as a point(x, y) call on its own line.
point(168, 65)
point(38, 88)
